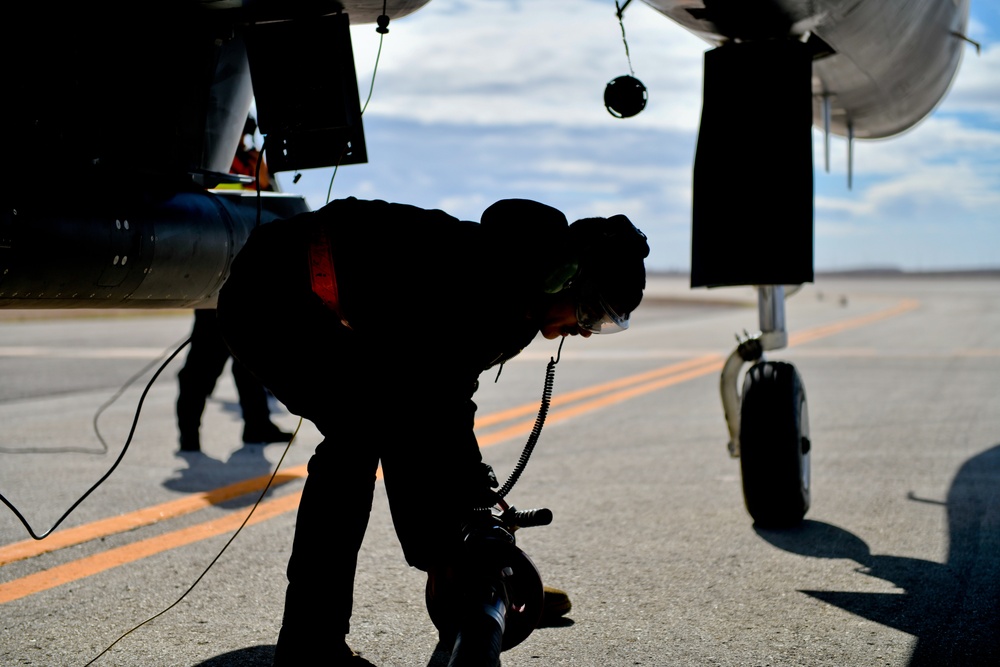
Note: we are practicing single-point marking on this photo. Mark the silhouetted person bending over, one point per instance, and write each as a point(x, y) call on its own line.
point(374, 321)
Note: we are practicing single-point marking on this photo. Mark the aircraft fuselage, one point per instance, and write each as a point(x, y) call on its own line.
point(884, 65)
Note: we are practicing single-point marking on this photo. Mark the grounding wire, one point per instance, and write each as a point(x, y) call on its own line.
point(213, 561)
point(382, 31)
point(128, 441)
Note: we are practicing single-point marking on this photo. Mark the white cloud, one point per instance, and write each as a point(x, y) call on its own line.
point(940, 140)
point(976, 88)
point(507, 62)
point(959, 189)
point(928, 216)
point(477, 101)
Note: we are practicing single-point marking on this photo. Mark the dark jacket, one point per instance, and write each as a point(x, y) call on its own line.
point(425, 294)
point(431, 302)
point(421, 281)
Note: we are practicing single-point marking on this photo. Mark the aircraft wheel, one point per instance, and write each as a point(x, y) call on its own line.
point(775, 445)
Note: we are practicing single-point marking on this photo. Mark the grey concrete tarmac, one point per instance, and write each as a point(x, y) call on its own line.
point(897, 563)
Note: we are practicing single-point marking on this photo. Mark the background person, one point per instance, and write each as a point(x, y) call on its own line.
point(206, 359)
point(208, 353)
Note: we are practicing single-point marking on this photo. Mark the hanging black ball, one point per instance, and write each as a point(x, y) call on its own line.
point(625, 96)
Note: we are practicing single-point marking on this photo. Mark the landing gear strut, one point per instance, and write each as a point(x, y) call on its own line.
point(754, 156)
point(769, 423)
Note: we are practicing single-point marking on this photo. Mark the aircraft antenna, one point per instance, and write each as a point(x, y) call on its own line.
point(826, 131)
point(850, 154)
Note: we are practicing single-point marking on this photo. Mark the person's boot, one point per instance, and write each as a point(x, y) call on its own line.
point(190, 405)
point(190, 442)
point(189, 428)
point(264, 434)
point(334, 654)
point(555, 605)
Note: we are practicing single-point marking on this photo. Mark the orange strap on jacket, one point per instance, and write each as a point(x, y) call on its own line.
point(321, 274)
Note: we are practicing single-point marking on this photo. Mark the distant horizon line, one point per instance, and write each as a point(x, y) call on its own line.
point(873, 271)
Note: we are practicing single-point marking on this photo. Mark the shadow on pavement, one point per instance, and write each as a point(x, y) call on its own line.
point(204, 473)
point(952, 609)
point(251, 656)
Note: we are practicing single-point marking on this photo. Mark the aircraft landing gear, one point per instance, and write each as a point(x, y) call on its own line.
point(769, 423)
point(774, 445)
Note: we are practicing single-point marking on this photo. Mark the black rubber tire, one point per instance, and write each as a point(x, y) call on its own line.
point(775, 445)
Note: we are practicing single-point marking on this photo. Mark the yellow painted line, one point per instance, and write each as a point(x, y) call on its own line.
point(118, 524)
point(620, 390)
point(713, 364)
point(977, 352)
point(528, 408)
point(96, 563)
point(808, 335)
point(194, 502)
point(105, 560)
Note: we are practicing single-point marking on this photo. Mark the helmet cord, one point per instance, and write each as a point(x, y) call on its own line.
point(536, 430)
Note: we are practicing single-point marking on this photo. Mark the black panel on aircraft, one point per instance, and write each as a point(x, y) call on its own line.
point(752, 214)
point(306, 92)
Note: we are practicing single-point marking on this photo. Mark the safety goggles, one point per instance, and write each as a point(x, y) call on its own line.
point(595, 315)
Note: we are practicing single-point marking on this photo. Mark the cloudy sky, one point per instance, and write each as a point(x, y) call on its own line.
point(478, 100)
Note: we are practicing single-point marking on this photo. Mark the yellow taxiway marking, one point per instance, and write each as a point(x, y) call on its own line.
point(149, 515)
point(569, 405)
point(619, 390)
point(105, 560)
point(904, 306)
point(197, 501)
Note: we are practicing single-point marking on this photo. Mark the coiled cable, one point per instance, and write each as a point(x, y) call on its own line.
point(536, 429)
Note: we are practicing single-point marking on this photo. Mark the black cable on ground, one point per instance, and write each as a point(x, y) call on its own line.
point(128, 441)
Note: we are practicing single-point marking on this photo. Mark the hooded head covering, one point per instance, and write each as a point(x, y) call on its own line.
point(609, 253)
point(522, 210)
point(601, 259)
